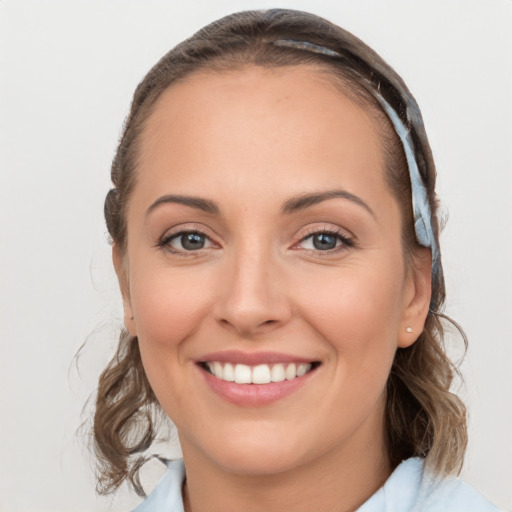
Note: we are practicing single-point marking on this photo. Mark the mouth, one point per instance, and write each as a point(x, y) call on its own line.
point(263, 373)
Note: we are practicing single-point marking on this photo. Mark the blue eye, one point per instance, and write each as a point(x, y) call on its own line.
point(192, 241)
point(325, 241)
point(186, 241)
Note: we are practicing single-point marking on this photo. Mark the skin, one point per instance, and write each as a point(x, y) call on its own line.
point(250, 141)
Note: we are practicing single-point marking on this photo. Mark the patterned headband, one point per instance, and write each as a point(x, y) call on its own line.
point(420, 205)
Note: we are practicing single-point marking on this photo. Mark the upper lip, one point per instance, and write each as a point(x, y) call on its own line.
point(252, 358)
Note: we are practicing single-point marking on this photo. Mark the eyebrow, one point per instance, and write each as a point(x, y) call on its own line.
point(306, 200)
point(294, 204)
point(193, 202)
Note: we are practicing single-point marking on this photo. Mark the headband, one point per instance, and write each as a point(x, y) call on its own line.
point(420, 205)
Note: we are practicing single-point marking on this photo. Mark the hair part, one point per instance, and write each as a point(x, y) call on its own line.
point(423, 418)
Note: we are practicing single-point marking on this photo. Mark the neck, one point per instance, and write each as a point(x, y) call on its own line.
point(338, 481)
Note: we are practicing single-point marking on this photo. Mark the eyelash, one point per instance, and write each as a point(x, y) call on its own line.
point(346, 242)
point(165, 242)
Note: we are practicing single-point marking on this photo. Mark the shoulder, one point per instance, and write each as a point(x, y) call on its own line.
point(412, 489)
point(458, 496)
point(166, 496)
point(409, 489)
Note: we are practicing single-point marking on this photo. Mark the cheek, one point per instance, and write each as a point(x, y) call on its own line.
point(353, 314)
point(167, 306)
point(357, 313)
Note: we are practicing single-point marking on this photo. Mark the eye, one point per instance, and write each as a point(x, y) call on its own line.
point(186, 241)
point(325, 241)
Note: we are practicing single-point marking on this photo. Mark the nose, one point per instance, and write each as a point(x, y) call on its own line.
point(252, 298)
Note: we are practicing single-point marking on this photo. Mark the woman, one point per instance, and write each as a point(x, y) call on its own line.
point(275, 237)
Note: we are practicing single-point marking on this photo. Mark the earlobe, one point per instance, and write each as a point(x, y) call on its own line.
point(418, 290)
point(120, 267)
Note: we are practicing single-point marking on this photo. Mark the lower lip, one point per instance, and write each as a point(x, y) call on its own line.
point(253, 395)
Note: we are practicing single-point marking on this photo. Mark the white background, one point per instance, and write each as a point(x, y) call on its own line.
point(67, 72)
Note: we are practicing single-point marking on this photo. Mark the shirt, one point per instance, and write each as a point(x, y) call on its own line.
point(408, 489)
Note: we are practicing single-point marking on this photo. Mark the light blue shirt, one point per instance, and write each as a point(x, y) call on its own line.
point(408, 489)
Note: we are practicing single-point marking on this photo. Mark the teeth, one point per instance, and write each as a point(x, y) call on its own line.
point(277, 373)
point(242, 374)
point(302, 369)
point(218, 370)
point(291, 371)
point(228, 373)
point(260, 374)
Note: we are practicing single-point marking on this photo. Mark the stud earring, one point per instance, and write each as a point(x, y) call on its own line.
point(407, 329)
point(131, 318)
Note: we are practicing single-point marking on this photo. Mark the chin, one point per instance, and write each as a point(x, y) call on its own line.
point(253, 451)
point(257, 462)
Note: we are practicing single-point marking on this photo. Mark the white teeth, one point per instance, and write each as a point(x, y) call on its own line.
point(242, 374)
point(302, 369)
point(260, 374)
point(228, 373)
point(218, 370)
point(291, 371)
point(277, 373)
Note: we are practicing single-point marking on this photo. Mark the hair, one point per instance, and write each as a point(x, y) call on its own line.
point(423, 417)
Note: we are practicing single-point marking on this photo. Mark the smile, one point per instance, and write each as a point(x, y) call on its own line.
point(259, 374)
point(255, 379)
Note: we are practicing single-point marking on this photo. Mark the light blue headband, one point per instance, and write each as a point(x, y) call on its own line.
point(420, 205)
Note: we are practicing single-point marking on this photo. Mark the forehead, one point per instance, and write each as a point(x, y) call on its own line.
point(259, 122)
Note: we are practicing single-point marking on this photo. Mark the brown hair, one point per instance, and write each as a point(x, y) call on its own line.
point(423, 418)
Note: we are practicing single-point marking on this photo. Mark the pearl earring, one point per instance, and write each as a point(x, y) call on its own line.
point(407, 329)
point(131, 318)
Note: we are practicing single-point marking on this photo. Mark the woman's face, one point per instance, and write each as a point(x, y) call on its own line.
point(264, 242)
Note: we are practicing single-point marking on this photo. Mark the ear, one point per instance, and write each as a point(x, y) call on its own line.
point(121, 269)
point(417, 294)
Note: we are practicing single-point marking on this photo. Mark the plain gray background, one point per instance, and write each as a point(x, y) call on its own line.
point(67, 72)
